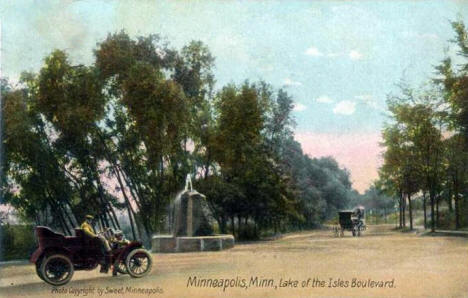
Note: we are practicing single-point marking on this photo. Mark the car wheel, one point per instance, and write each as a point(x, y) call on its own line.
point(38, 267)
point(120, 267)
point(57, 269)
point(138, 263)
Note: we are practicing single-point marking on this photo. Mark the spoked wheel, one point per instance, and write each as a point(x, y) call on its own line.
point(119, 265)
point(56, 270)
point(138, 263)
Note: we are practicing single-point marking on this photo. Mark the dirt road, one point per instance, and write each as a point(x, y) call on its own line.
point(382, 263)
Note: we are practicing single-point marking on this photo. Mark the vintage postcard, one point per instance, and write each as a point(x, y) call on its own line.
point(176, 148)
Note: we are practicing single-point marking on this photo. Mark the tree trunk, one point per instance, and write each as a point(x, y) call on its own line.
point(223, 225)
point(449, 201)
point(127, 202)
point(404, 210)
point(255, 229)
point(233, 226)
point(424, 209)
point(400, 207)
point(410, 212)
point(431, 194)
point(437, 211)
point(457, 212)
point(457, 206)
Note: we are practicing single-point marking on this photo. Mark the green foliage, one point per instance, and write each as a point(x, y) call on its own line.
point(375, 199)
point(426, 141)
point(16, 242)
point(123, 133)
point(322, 188)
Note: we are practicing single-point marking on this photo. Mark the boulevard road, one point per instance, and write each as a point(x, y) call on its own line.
point(381, 263)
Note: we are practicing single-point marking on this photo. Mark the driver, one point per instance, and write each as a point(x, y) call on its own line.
point(119, 240)
point(87, 228)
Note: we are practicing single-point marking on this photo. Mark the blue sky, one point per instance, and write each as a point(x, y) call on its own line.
point(339, 59)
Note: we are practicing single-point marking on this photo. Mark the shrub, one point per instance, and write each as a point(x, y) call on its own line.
point(17, 242)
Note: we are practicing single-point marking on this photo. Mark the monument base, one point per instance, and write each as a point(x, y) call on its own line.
point(169, 243)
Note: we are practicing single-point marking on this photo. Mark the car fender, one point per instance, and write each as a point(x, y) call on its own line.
point(36, 255)
point(131, 246)
point(40, 252)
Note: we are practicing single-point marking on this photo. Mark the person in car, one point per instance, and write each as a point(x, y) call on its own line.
point(87, 228)
point(118, 240)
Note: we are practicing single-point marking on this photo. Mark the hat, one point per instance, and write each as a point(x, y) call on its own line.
point(89, 217)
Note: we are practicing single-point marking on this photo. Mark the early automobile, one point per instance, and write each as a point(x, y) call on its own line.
point(351, 220)
point(58, 256)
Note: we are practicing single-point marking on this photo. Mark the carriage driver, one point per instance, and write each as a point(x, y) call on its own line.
point(359, 214)
point(89, 231)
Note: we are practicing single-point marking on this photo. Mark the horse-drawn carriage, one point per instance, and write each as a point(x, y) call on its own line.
point(58, 256)
point(351, 220)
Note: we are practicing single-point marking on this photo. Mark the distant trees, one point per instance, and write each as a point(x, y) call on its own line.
point(376, 201)
point(122, 133)
point(321, 186)
point(425, 141)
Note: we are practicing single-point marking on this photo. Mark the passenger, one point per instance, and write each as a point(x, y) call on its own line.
point(87, 228)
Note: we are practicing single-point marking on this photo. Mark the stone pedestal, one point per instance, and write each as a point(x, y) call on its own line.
point(168, 243)
point(191, 227)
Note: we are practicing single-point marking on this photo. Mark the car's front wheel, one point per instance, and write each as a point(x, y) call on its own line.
point(56, 270)
point(138, 263)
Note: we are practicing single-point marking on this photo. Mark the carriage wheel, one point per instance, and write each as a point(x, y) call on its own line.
point(56, 270)
point(138, 263)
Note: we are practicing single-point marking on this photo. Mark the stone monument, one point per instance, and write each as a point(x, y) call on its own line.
point(190, 225)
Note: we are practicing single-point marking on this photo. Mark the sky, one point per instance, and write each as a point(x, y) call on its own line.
point(338, 59)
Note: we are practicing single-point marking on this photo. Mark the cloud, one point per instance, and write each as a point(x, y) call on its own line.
point(324, 99)
point(314, 52)
point(289, 82)
point(345, 107)
point(355, 55)
point(299, 107)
